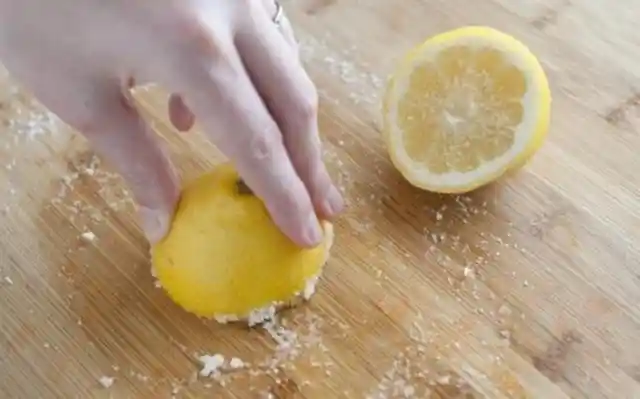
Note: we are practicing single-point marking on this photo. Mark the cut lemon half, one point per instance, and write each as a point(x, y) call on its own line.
point(464, 108)
point(225, 258)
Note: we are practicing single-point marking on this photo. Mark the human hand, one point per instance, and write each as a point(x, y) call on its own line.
point(228, 66)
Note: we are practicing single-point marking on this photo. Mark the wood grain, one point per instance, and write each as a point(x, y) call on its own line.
point(528, 288)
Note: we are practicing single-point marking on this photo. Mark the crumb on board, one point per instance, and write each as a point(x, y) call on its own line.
point(88, 236)
point(8, 280)
point(236, 363)
point(106, 381)
point(211, 364)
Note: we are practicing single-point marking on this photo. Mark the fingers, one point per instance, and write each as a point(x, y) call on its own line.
point(291, 98)
point(111, 123)
point(120, 135)
point(225, 102)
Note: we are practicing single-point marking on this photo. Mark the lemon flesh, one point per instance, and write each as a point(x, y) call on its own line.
point(464, 108)
point(224, 257)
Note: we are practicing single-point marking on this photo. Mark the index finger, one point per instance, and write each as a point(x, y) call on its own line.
point(233, 115)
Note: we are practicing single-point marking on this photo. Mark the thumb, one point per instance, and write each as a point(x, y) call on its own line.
point(110, 121)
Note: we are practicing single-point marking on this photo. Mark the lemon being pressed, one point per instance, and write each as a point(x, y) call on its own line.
point(464, 108)
point(225, 258)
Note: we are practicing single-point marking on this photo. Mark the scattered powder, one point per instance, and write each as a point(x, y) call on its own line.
point(28, 124)
point(416, 373)
point(465, 260)
point(294, 347)
point(363, 85)
point(291, 344)
point(109, 186)
point(31, 121)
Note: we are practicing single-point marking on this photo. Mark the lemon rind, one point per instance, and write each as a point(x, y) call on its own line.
point(266, 311)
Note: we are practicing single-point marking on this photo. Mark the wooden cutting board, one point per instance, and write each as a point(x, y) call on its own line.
point(529, 288)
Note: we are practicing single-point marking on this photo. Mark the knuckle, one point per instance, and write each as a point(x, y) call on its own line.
point(307, 106)
point(196, 48)
point(264, 146)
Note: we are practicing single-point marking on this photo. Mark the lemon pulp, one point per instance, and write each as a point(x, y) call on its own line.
point(465, 107)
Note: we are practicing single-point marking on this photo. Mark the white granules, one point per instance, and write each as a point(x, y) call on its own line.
point(267, 313)
point(112, 190)
point(298, 341)
point(362, 83)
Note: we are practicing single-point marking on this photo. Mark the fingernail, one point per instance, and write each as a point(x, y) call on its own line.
point(334, 201)
point(154, 223)
point(313, 232)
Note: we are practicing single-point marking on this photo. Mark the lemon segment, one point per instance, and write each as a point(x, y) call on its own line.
point(465, 107)
point(225, 258)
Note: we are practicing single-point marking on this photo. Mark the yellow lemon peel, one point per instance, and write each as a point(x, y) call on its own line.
point(224, 257)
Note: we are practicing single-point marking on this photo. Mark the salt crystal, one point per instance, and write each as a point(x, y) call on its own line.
point(106, 382)
point(211, 364)
point(236, 363)
point(88, 236)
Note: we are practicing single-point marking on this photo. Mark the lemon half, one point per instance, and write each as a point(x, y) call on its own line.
point(464, 108)
point(225, 258)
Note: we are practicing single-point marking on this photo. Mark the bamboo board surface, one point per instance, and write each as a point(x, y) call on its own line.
point(529, 288)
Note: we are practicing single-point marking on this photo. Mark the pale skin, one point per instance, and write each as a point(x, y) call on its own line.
point(228, 66)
